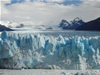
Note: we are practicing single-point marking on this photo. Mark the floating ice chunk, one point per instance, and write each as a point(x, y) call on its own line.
point(63, 73)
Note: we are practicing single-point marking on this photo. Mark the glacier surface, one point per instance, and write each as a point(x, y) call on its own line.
point(41, 51)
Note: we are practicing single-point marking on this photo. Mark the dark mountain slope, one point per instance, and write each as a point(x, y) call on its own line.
point(91, 26)
point(3, 28)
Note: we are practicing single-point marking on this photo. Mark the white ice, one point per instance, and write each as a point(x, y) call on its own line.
point(39, 51)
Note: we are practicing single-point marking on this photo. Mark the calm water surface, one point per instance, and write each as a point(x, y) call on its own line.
point(60, 32)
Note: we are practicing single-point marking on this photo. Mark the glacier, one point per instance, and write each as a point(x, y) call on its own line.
point(40, 51)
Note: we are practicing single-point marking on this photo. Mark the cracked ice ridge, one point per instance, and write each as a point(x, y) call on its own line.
point(49, 52)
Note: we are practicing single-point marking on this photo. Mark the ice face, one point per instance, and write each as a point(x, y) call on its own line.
point(49, 52)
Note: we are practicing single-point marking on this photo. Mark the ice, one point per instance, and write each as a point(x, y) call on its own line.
point(42, 51)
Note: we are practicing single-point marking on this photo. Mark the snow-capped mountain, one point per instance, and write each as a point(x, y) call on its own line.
point(11, 24)
point(63, 25)
point(72, 24)
point(3, 28)
point(21, 26)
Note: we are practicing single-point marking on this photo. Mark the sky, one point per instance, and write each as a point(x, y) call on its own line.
point(48, 12)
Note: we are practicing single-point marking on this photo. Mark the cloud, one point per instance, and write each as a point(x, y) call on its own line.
point(56, 1)
point(41, 13)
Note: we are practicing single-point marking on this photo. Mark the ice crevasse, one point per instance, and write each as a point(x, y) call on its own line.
point(39, 51)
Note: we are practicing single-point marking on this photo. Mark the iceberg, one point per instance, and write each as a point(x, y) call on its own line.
point(40, 51)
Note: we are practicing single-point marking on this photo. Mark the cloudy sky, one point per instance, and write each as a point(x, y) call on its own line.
point(48, 12)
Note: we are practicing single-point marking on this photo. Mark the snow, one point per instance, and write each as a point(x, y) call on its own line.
point(17, 26)
point(40, 51)
point(77, 19)
point(9, 23)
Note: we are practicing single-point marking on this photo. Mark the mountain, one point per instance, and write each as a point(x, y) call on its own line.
point(20, 26)
point(3, 28)
point(91, 26)
point(64, 23)
point(72, 24)
point(12, 24)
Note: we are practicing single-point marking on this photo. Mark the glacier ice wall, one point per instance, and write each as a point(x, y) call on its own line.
point(49, 52)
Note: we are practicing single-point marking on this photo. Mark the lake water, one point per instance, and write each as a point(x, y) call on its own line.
point(61, 32)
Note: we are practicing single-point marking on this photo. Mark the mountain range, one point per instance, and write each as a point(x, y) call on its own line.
point(72, 24)
point(12, 24)
point(76, 24)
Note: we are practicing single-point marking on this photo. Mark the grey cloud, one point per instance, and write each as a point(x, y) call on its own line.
point(37, 13)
